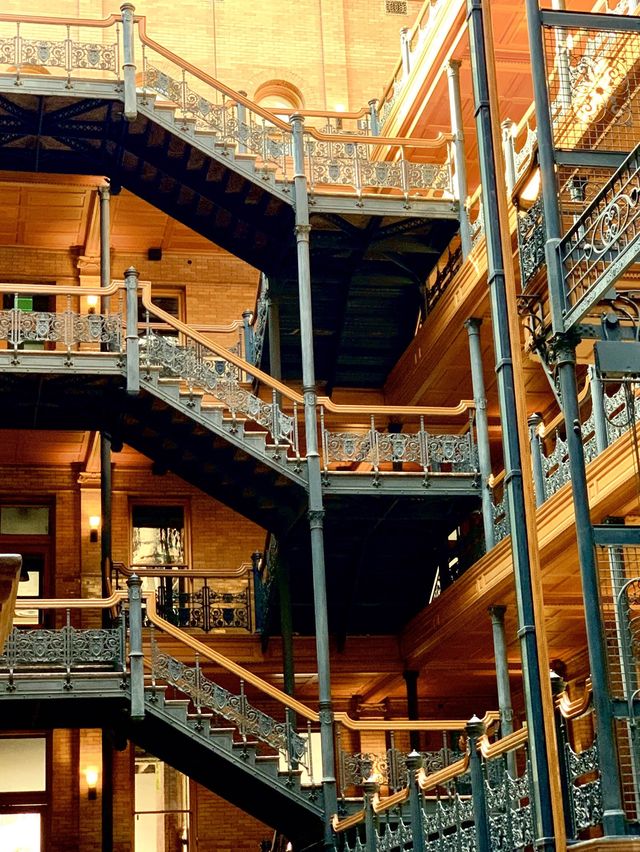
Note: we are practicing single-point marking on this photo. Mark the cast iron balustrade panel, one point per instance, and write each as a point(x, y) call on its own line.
point(234, 708)
point(68, 647)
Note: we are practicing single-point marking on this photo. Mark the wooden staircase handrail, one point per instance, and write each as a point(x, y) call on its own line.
point(181, 572)
point(264, 113)
point(463, 407)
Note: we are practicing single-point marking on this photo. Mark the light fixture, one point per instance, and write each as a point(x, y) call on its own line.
point(92, 304)
point(94, 526)
point(91, 777)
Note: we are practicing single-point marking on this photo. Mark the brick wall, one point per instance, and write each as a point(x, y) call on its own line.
point(221, 827)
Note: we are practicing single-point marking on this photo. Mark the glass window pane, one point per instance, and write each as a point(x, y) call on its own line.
point(20, 832)
point(158, 535)
point(24, 520)
point(22, 765)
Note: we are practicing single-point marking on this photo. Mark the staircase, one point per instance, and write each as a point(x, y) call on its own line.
point(68, 677)
point(222, 165)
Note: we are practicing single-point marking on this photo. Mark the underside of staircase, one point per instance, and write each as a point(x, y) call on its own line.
point(368, 269)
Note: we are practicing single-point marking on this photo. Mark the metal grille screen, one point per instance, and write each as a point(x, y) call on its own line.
point(619, 574)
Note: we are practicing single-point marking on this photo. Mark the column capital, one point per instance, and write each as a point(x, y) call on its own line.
point(497, 612)
point(472, 323)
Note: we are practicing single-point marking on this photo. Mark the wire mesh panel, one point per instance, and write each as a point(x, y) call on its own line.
point(618, 557)
point(594, 88)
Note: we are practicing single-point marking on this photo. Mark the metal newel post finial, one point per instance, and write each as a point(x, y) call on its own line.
point(405, 51)
point(535, 443)
point(133, 342)
point(474, 730)
point(414, 762)
point(136, 657)
point(127, 11)
point(374, 122)
point(370, 787)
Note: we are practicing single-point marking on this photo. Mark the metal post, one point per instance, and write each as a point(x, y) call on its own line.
point(411, 680)
point(316, 508)
point(474, 730)
point(370, 788)
point(128, 66)
point(275, 359)
point(538, 715)
point(598, 408)
point(535, 443)
point(502, 678)
point(374, 122)
point(286, 630)
point(249, 348)
point(457, 131)
point(482, 428)
point(557, 688)
point(243, 130)
point(133, 342)
point(136, 657)
point(562, 62)
point(414, 762)
point(509, 154)
point(105, 512)
point(405, 51)
point(104, 195)
point(613, 820)
point(613, 816)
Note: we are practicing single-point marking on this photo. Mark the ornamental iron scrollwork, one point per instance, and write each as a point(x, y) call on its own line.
point(447, 453)
point(583, 770)
point(510, 811)
point(18, 327)
point(234, 708)
point(205, 608)
point(66, 647)
point(450, 827)
point(531, 241)
point(205, 370)
point(556, 466)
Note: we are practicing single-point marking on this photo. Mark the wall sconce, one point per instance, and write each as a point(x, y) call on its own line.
point(94, 526)
point(91, 777)
point(92, 304)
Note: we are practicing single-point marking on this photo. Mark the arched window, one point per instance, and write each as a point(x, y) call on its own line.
point(280, 97)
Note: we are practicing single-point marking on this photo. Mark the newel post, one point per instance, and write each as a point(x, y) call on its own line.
point(133, 341)
point(129, 66)
point(136, 657)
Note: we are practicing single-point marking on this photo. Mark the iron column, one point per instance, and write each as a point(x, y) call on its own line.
point(613, 817)
point(316, 507)
point(502, 678)
point(459, 160)
point(538, 705)
point(482, 427)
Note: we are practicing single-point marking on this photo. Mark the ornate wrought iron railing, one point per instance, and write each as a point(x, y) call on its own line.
point(23, 328)
point(604, 241)
point(232, 122)
point(531, 242)
point(445, 804)
point(438, 282)
point(209, 696)
point(430, 453)
point(206, 600)
point(413, 43)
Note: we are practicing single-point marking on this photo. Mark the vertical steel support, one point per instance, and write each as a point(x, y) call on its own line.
point(613, 816)
point(129, 66)
point(243, 130)
point(509, 154)
point(275, 358)
point(598, 408)
point(459, 160)
point(247, 330)
point(557, 688)
point(286, 628)
point(370, 789)
point(537, 703)
point(136, 657)
point(411, 681)
point(502, 678)
point(414, 762)
point(405, 51)
point(316, 508)
point(105, 512)
point(133, 341)
point(562, 62)
point(535, 443)
point(374, 122)
point(104, 195)
point(482, 429)
point(474, 730)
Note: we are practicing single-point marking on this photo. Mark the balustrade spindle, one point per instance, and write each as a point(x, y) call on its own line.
point(243, 713)
point(198, 691)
